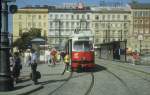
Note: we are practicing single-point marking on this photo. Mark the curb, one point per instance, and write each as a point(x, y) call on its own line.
point(24, 91)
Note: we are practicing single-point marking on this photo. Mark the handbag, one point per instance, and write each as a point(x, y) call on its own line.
point(38, 74)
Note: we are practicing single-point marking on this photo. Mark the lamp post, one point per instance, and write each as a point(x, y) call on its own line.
point(6, 82)
point(140, 38)
point(108, 33)
point(59, 30)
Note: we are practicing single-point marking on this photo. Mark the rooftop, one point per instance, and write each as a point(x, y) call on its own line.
point(140, 5)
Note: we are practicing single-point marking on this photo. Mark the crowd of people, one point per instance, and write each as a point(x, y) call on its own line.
point(31, 59)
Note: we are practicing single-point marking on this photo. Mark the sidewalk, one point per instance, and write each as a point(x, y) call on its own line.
point(25, 85)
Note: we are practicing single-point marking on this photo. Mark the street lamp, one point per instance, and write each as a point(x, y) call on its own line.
point(6, 82)
point(140, 38)
point(59, 30)
point(108, 33)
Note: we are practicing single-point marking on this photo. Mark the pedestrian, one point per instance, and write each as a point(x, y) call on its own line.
point(17, 66)
point(12, 62)
point(34, 66)
point(66, 61)
point(27, 57)
point(135, 57)
point(53, 56)
point(49, 58)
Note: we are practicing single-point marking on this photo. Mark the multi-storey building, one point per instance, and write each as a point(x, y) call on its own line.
point(111, 23)
point(30, 17)
point(64, 21)
point(140, 35)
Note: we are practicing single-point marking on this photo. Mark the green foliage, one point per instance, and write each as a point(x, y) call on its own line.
point(26, 37)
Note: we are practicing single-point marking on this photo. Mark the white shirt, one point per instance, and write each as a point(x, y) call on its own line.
point(34, 58)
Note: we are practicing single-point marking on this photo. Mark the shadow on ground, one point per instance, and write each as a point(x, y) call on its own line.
point(97, 68)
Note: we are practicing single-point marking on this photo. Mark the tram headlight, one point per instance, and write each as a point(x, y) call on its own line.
point(76, 55)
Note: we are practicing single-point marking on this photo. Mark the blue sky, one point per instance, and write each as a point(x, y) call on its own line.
point(22, 3)
point(56, 2)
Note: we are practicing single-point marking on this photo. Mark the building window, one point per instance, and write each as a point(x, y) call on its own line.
point(44, 16)
point(125, 17)
point(78, 24)
point(40, 24)
point(118, 17)
point(34, 24)
point(125, 25)
point(29, 24)
point(20, 24)
point(33, 16)
point(88, 25)
point(39, 16)
point(96, 40)
point(96, 17)
point(20, 32)
point(67, 24)
point(113, 17)
point(77, 17)
point(56, 16)
point(61, 16)
point(88, 17)
point(72, 24)
point(67, 16)
point(96, 25)
point(29, 16)
point(44, 24)
point(103, 17)
point(51, 24)
point(20, 16)
point(51, 16)
point(108, 17)
point(72, 17)
point(83, 16)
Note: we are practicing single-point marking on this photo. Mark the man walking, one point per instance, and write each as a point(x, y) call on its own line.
point(34, 66)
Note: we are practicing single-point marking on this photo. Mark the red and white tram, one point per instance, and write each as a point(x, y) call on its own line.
point(81, 50)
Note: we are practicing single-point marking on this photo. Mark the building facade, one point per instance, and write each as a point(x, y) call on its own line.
point(140, 35)
point(30, 17)
point(111, 24)
point(118, 23)
point(64, 21)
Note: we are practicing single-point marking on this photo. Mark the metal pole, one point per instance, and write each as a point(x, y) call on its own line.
point(121, 35)
point(59, 33)
point(140, 46)
point(6, 82)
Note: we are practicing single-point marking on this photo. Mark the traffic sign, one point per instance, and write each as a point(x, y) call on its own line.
point(140, 37)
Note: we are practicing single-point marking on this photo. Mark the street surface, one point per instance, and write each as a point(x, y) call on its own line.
point(108, 78)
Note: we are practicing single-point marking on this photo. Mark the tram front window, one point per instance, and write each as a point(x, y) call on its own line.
point(82, 46)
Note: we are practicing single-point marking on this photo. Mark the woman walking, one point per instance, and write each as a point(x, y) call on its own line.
point(16, 67)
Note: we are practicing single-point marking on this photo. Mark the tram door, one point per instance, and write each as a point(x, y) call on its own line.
point(69, 48)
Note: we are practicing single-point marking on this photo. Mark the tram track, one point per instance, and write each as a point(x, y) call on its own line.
point(70, 76)
point(122, 82)
point(91, 85)
point(133, 72)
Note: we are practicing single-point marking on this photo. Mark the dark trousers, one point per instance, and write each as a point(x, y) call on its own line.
point(33, 68)
point(66, 67)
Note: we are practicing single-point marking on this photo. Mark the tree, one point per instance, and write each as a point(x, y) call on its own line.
point(26, 37)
